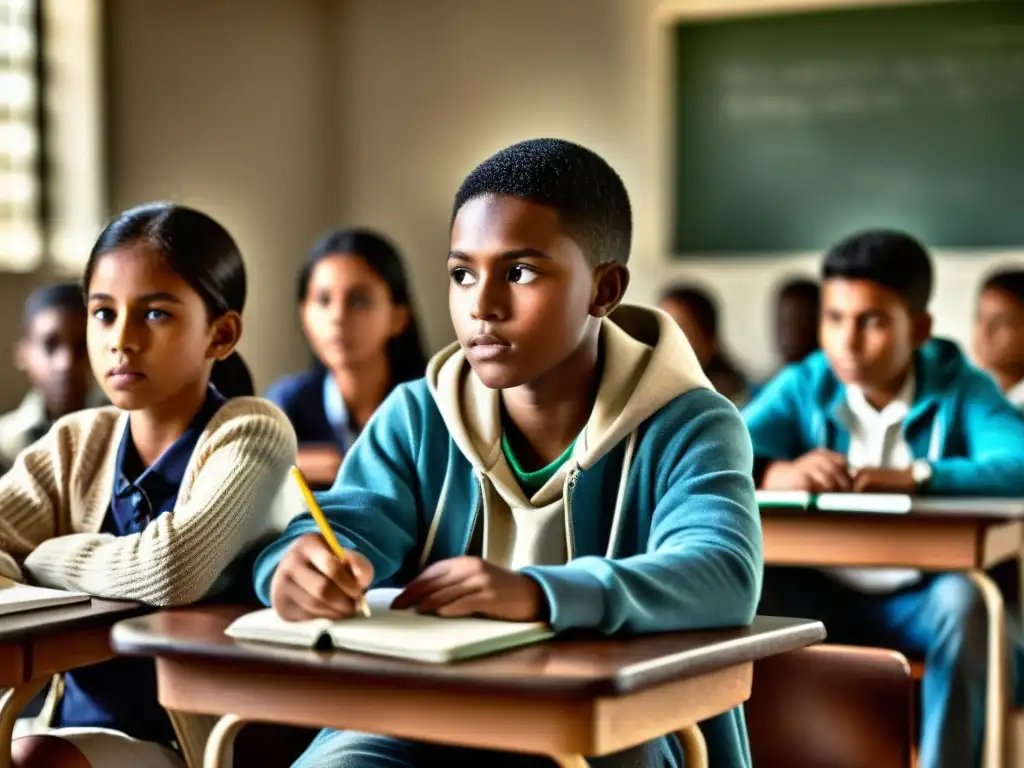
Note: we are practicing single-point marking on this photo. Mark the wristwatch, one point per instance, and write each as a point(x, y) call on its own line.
point(921, 473)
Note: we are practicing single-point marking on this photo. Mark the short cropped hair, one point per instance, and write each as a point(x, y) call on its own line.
point(588, 195)
point(63, 296)
point(801, 289)
point(701, 304)
point(888, 258)
point(1009, 281)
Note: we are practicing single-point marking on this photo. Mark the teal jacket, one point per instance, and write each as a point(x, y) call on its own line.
point(959, 421)
point(686, 544)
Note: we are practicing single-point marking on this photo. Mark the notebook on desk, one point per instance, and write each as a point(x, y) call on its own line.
point(894, 503)
point(800, 499)
point(17, 598)
point(878, 503)
point(400, 634)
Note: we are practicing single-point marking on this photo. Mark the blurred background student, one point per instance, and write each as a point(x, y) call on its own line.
point(357, 314)
point(999, 332)
point(696, 312)
point(797, 305)
point(796, 309)
point(52, 355)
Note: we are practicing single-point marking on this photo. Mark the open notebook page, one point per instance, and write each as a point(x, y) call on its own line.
point(401, 634)
point(17, 598)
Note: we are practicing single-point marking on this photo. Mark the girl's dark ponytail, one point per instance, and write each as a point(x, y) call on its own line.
point(231, 377)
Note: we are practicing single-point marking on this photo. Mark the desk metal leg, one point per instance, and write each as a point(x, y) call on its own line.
point(12, 701)
point(993, 752)
point(220, 748)
point(695, 749)
point(569, 761)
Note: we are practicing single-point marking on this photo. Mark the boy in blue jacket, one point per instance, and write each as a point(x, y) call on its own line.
point(885, 408)
point(566, 460)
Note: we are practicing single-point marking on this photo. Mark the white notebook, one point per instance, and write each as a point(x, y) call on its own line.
point(879, 503)
point(801, 499)
point(401, 634)
point(16, 598)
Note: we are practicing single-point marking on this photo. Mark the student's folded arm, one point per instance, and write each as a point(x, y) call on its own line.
point(179, 556)
point(994, 431)
point(30, 500)
point(704, 562)
point(373, 505)
point(773, 418)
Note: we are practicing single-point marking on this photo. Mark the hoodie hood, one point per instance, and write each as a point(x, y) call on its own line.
point(647, 362)
point(939, 364)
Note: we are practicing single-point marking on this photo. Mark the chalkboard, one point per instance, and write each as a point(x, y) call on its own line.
point(793, 131)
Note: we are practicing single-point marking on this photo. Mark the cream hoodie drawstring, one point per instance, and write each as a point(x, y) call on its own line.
point(620, 498)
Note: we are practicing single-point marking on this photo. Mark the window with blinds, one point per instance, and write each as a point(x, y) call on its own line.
point(21, 232)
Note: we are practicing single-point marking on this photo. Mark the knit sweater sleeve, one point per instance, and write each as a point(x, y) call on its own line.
point(224, 501)
point(34, 493)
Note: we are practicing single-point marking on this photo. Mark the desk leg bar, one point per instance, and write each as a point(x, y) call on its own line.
point(12, 701)
point(994, 747)
point(695, 749)
point(220, 749)
point(569, 761)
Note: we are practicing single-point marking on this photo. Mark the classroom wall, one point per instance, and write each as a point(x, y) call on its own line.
point(283, 119)
point(228, 106)
point(431, 88)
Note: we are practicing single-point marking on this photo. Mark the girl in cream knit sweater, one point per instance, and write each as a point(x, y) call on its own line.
point(155, 498)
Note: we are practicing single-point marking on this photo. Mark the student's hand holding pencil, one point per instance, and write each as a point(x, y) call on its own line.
point(311, 582)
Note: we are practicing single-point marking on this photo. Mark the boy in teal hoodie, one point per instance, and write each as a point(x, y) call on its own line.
point(885, 408)
point(565, 461)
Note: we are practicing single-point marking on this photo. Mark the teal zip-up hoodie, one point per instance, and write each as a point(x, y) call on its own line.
point(662, 528)
point(959, 421)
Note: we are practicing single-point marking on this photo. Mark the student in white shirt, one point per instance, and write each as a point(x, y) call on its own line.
point(884, 407)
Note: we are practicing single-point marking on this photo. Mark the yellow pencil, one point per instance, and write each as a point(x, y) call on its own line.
point(325, 528)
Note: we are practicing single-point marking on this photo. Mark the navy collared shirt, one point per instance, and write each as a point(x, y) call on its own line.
point(313, 403)
point(121, 694)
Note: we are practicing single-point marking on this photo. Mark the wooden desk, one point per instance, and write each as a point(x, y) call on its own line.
point(35, 645)
point(564, 698)
point(938, 540)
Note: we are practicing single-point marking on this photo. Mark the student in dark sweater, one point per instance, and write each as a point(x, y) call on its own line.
point(356, 310)
point(696, 312)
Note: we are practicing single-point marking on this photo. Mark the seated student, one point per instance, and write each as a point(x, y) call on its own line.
point(52, 354)
point(886, 408)
point(356, 310)
point(797, 306)
point(550, 400)
point(155, 498)
point(999, 332)
point(697, 314)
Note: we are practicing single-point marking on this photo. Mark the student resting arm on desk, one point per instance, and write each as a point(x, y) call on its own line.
point(565, 461)
point(885, 408)
point(152, 499)
point(356, 309)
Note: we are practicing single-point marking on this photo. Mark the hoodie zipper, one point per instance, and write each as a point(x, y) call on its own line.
point(570, 538)
point(476, 515)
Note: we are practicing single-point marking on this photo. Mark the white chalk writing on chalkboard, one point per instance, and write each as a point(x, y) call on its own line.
point(980, 67)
